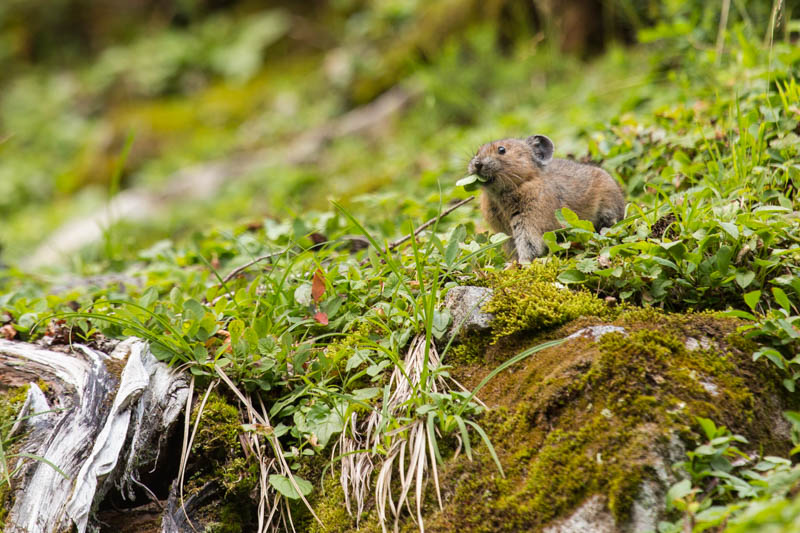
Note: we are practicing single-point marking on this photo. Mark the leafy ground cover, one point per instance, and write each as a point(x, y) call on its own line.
point(706, 146)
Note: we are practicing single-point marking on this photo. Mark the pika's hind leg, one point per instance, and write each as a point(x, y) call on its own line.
point(606, 217)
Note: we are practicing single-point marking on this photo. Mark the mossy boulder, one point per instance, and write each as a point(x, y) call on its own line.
point(587, 431)
point(596, 424)
point(530, 300)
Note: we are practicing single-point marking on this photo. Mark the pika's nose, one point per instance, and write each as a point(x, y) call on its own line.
point(478, 164)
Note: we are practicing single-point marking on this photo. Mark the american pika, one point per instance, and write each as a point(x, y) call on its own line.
point(524, 186)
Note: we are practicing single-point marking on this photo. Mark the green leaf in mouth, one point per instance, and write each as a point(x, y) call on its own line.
point(471, 182)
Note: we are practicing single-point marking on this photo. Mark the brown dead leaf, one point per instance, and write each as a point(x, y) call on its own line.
point(317, 286)
point(322, 318)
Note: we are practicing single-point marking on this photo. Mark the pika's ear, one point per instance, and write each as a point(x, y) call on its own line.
point(542, 148)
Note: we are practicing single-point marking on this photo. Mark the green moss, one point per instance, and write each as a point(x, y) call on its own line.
point(469, 351)
point(11, 401)
point(588, 419)
point(329, 506)
point(527, 300)
point(217, 456)
point(581, 462)
point(217, 436)
point(530, 300)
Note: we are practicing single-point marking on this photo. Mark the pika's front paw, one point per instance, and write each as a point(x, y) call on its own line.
point(529, 249)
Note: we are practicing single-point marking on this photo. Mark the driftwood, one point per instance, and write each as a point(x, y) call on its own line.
point(108, 419)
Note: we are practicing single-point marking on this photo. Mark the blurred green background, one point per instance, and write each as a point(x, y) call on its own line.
point(100, 98)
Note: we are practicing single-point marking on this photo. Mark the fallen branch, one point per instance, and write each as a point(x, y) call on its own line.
point(394, 244)
point(103, 428)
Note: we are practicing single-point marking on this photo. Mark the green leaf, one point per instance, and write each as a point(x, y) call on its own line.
point(284, 485)
point(708, 426)
point(713, 514)
point(193, 310)
point(176, 297)
point(724, 255)
point(587, 265)
point(751, 299)
point(678, 491)
point(471, 182)
point(302, 294)
point(676, 249)
point(149, 297)
point(771, 354)
point(738, 314)
point(441, 319)
point(236, 329)
point(365, 394)
point(782, 299)
point(200, 353)
point(489, 446)
point(789, 328)
point(704, 449)
point(572, 276)
point(325, 421)
point(356, 359)
point(456, 238)
point(730, 229)
point(793, 417)
point(462, 427)
point(466, 180)
point(552, 242)
point(571, 220)
point(744, 278)
point(432, 438)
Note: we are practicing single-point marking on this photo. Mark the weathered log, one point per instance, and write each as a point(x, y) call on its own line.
point(108, 420)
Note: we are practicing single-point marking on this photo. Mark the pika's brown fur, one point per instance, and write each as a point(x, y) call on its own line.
point(525, 186)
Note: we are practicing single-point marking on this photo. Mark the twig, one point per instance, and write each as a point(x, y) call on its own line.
point(239, 270)
point(394, 244)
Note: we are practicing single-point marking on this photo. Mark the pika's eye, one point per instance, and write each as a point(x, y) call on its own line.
point(501, 150)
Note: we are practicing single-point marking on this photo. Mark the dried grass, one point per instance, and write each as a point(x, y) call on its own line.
point(407, 451)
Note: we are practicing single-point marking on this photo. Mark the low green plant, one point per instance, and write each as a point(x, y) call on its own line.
point(719, 216)
point(725, 486)
point(419, 405)
point(778, 331)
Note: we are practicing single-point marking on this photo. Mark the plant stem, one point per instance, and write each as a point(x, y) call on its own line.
point(394, 244)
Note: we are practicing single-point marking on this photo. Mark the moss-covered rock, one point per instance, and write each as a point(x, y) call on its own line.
point(601, 417)
point(601, 421)
point(530, 300)
point(524, 302)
